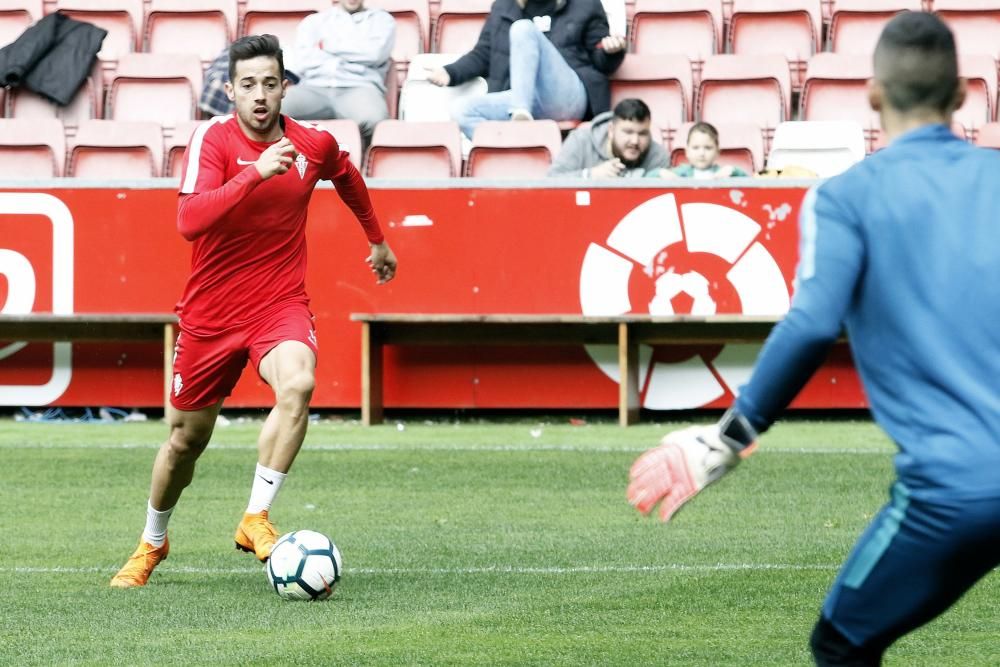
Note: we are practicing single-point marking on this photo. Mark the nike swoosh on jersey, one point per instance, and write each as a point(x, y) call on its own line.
point(244, 162)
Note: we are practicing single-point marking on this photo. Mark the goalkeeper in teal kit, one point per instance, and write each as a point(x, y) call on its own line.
point(902, 250)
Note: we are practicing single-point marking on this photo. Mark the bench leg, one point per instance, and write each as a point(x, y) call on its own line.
point(628, 377)
point(168, 364)
point(371, 375)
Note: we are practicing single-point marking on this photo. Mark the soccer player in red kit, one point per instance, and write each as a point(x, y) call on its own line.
point(245, 188)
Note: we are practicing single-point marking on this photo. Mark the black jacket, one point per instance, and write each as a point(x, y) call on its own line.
point(577, 27)
point(53, 57)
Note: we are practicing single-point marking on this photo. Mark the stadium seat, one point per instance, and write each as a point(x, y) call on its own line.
point(31, 148)
point(855, 25)
point(740, 144)
point(204, 27)
point(174, 144)
point(266, 17)
point(421, 100)
point(121, 18)
point(104, 149)
point(824, 147)
point(156, 87)
point(415, 150)
point(988, 136)
point(16, 16)
point(458, 25)
point(507, 150)
point(663, 82)
point(980, 72)
point(836, 88)
point(348, 136)
point(792, 29)
point(413, 26)
point(689, 27)
point(22, 103)
point(750, 89)
point(976, 24)
point(617, 16)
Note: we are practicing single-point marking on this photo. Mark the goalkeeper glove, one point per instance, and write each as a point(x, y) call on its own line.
point(687, 461)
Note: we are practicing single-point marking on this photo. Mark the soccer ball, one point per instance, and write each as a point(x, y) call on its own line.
point(304, 565)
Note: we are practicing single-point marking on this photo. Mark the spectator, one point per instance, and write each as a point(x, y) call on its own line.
point(214, 101)
point(702, 153)
point(541, 59)
point(616, 144)
point(341, 58)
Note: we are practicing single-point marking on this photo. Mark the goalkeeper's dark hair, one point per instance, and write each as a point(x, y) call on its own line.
point(916, 63)
point(252, 46)
point(633, 109)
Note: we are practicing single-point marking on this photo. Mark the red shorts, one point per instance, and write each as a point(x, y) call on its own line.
point(206, 368)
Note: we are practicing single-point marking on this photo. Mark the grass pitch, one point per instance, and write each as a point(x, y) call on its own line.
point(464, 544)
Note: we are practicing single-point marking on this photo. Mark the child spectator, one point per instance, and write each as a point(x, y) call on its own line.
point(702, 153)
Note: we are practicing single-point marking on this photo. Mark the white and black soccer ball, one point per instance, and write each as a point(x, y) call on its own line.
point(304, 565)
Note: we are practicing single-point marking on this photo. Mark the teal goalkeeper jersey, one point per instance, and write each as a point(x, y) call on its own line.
point(903, 250)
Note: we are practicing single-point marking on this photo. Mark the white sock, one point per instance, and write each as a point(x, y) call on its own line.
point(266, 483)
point(155, 532)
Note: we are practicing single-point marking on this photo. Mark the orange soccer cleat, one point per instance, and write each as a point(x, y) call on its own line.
point(256, 535)
point(140, 565)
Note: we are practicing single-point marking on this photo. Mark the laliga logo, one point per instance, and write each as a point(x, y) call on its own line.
point(698, 259)
point(21, 291)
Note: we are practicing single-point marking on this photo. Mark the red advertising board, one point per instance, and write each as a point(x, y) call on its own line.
point(464, 249)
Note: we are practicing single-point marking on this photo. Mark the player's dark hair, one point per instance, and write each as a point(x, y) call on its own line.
point(916, 64)
point(632, 109)
point(704, 128)
point(252, 46)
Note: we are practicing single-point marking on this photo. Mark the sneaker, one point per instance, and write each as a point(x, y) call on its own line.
point(140, 565)
point(521, 114)
point(256, 535)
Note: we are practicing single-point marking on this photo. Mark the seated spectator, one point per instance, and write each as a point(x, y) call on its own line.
point(616, 144)
point(341, 57)
point(214, 101)
point(541, 59)
point(702, 153)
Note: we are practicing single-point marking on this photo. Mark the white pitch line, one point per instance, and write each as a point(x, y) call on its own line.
point(581, 569)
point(460, 449)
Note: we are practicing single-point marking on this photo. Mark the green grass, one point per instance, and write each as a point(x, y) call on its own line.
point(465, 544)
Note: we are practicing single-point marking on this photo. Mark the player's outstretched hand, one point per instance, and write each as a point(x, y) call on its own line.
point(685, 463)
point(277, 159)
point(382, 262)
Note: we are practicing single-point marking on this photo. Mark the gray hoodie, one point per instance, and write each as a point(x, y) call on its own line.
point(587, 147)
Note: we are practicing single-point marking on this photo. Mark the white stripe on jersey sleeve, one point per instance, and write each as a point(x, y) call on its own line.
point(194, 154)
point(807, 236)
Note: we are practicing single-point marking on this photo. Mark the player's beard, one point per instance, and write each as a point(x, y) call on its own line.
point(261, 125)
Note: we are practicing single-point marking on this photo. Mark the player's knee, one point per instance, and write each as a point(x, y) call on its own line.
point(297, 390)
point(186, 442)
point(830, 648)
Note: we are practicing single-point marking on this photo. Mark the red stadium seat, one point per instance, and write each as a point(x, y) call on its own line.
point(174, 144)
point(104, 149)
point(31, 148)
point(855, 25)
point(204, 27)
point(121, 18)
point(458, 25)
point(413, 26)
point(689, 27)
point(415, 150)
point(663, 82)
point(266, 17)
point(792, 29)
point(348, 136)
point(980, 72)
point(750, 89)
point(989, 136)
point(16, 16)
point(740, 144)
point(836, 88)
point(976, 24)
point(156, 87)
point(513, 150)
point(22, 103)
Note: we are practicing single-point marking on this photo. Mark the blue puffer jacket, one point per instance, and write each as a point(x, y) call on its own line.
point(577, 27)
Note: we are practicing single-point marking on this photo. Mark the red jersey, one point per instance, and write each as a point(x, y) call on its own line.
point(249, 253)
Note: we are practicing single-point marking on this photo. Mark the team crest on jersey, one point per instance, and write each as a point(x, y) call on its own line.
point(300, 164)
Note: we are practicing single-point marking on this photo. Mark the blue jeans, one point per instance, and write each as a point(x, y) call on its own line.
point(540, 81)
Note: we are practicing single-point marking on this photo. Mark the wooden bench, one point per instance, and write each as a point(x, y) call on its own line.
point(96, 327)
point(626, 331)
